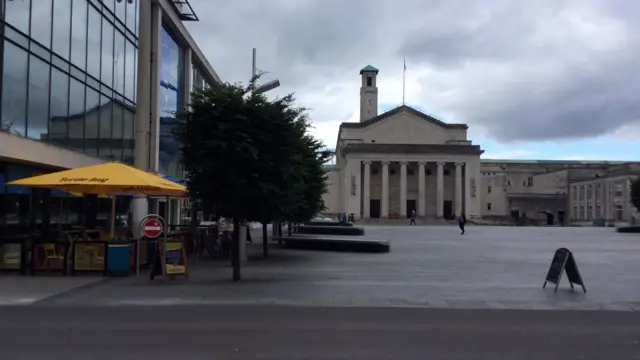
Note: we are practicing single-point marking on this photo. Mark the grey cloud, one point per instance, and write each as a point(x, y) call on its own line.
point(346, 117)
point(580, 104)
point(521, 71)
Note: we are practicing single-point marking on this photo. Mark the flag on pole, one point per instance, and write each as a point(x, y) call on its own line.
point(404, 72)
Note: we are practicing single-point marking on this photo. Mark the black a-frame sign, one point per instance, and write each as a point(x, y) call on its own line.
point(563, 260)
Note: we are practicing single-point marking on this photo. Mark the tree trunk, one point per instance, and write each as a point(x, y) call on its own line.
point(265, 244)
point(280, 229)
point(289, 228)
point(235, 250)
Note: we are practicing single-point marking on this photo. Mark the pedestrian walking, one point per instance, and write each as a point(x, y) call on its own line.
point(413, 218)
point(462, 221)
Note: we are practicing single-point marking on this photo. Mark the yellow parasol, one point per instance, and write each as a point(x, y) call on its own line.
point(111, 178)
point(108, 178)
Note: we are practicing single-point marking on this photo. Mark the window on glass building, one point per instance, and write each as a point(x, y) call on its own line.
point(170, 103)
point(71, 68)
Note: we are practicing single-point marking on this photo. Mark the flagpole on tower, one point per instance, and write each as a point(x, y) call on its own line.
point(404, 75)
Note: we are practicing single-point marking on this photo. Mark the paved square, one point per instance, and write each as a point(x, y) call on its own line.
point(489, 267)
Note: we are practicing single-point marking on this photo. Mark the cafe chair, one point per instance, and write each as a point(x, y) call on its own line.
point(51, 255)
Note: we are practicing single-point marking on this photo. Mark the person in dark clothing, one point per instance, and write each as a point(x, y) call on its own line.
point(462, 221)
point(413, 218)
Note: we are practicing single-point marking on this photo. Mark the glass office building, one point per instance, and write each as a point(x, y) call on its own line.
point(68, 90)
point(69, 74)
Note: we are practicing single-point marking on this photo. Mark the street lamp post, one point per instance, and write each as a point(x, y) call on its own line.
point(264, 87)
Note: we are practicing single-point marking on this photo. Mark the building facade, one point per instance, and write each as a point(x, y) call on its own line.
point(606, 195)
point(387, 165)
point(79, 88)
point(391, 164)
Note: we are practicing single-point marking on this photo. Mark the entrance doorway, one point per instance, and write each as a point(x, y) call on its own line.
point(447, 209)
point(411, 206)
point(374, 208)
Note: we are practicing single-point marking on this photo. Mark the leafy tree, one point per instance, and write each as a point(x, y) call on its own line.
point(306, 177)
point(306, 196)
point(239, 152)
point(635, 193)
point(8, 127)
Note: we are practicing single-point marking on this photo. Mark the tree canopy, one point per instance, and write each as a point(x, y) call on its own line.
point(250, 158)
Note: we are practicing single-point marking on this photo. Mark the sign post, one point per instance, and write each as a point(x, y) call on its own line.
point(170, 258)
point(563, 261)
point(151, 226)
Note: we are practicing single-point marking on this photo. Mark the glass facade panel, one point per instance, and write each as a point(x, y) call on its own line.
point(92, 122)
point(169, 103)
point(121, 8)
point(130, 71)
point(16, 37)
point(58, 107)
point(75, 139)
point(17, 14)
point(94, 36)
point(38, 99)
point(131, 19)
point(14, 77)
point(106, 119)
point(119, 63)
point(128, 129)
point(79, 34)
point(55, 45)
point(137, 3)
point(106, 75)
point(61, 28)
point(198, 80)
point(108, 4)
point(117, 130)
point(41, 22)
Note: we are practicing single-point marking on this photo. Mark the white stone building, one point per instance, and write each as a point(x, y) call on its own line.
point(388, 164)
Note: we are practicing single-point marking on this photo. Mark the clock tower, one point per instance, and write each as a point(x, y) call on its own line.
point(368, 93)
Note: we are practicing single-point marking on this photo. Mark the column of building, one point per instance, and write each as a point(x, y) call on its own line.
point(458, 189)
point(403, 189)
point(139, 205)
point(187, 66)
point(594, 201)
point(421, 203)
point(384, 208)
point(422, 209)
point(366, 191)
point(585, 203)
point(626, 213)
point(606, 200)
point(439, 190)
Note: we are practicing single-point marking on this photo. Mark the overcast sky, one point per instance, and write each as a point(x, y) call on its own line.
point(533, 79)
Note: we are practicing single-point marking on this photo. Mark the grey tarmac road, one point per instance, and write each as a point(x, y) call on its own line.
point(287, 333)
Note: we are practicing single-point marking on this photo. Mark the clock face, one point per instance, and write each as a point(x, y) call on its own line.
point(370, 100)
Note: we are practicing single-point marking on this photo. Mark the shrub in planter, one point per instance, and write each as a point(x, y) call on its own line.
point(628, 229)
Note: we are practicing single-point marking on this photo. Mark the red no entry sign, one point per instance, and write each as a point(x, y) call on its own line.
point(152, 228)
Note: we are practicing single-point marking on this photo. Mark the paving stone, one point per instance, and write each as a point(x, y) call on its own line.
point(488, 267)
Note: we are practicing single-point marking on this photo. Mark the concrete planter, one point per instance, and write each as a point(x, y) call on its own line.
point(331, 230)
